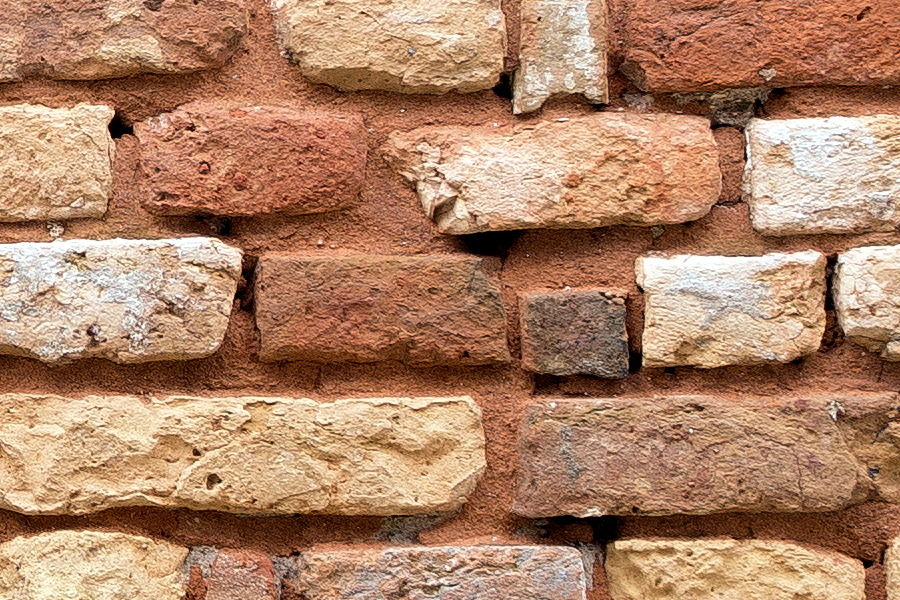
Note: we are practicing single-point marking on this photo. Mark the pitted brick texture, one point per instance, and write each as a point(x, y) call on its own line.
point(423, 310)
point(206, 158)
point(410, 46)
point(712, 311)
point(55, 163)
point(833, 175)
point(730, 570)
point(90, 565)
point(252, 455)
point(64, 39)
point(605, 169)
point(443, 573)
point(128, 301)
point(867, 298)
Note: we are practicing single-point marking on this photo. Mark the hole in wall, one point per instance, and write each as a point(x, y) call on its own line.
point(118, 127)
point(490, 243)
point(212, 481)
point(504, 88)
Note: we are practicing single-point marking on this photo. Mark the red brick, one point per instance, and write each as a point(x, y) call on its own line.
point(697, 45)
point(241, 575)
point(424, 310)
point(206, 158)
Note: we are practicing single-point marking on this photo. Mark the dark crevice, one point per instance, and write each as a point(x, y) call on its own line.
point(247, 283)
point(218, 225)
point(635, 360)
point(118, 127)
point(606, 529)
point(504, 88)
point(833, 336)
point(490, 243)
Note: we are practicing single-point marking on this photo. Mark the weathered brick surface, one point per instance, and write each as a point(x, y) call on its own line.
point(833, 175)
point(730, 570)
point(443, 573)
point(206, 158)
point(241, 575)
point(867, 298)
point(606, 169)
point(90, 565)
point(411, 46)
point(253, 455)
point(440, 309)
point(62, 39)
point(562, 51)
point(570, 332)
point(892, 570)
point(124, 300)
point(55, 163)
point(694, 45)
point(712, 311)
point(705, 454)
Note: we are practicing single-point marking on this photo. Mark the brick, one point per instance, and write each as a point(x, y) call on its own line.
point(251, 455)
point(695, 45)
point(443, 573)
point(712, 311)
point(410, 46)
point(604, 169)
point(128, 301)
point(572, 332)
point(209, 158)
point(867, 298)
point(422, 310)
point(705, 454)
point(562, 50)
point(61, 39)
point(722, 569)
point(55, 163)
point(892, 570)
point(241, 575)
point(833, 175)
point(91, 565)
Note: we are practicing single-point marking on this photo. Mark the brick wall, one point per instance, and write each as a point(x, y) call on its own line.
point(370, 300)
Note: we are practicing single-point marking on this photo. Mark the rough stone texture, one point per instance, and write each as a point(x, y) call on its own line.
point(712, 311)
point(867, 298)
point(90, 565)
point(605, 169)
point(571, 332)
point(562, 50)
point(411, 46)
point(892, 570)
point(206, 158)
point(423, 310)
point(703, 45)
point(705, 454)
point(385, 456)
point(127, 301)
point(68, 39)
point(832, 175)
point(443, 573)
point(55, 163)
point(719, 569)
point(238, 575)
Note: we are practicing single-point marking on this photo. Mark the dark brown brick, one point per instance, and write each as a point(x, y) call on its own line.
point(571, 332)
point(424, 310)
point(207, 158)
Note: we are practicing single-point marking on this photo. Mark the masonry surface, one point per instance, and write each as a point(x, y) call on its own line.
point(406, 299)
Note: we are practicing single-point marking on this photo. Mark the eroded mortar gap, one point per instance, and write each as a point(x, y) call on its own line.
point(247, 282)
point(504, 88)
point(834, 335)
point(490, 243)
point(118, 127)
